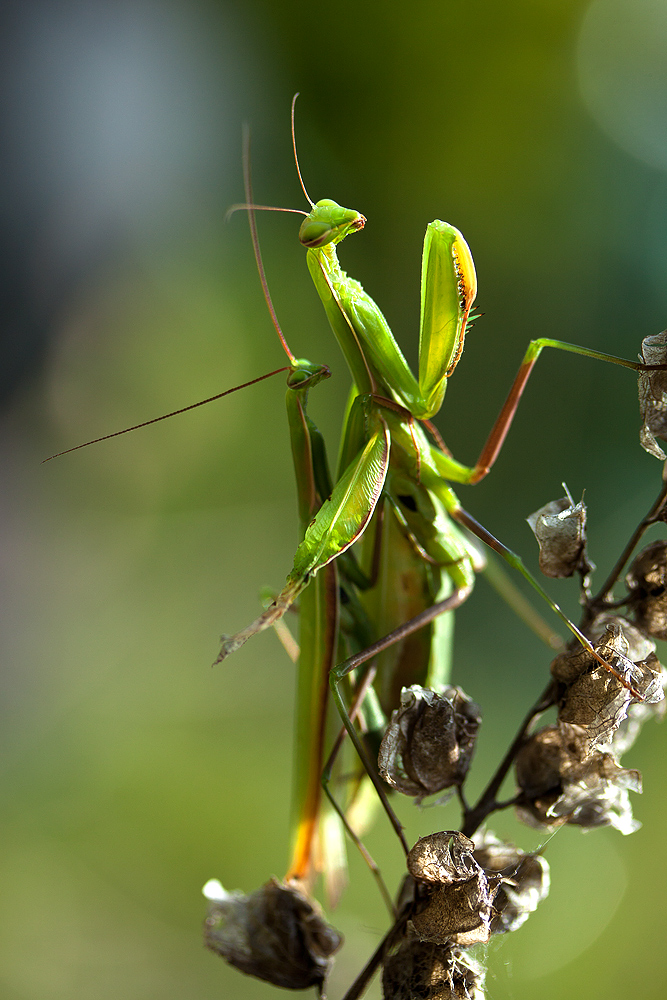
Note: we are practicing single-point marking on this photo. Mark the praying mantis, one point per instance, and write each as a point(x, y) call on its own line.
point(386, 552)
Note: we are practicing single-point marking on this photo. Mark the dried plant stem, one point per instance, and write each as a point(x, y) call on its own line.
point(365, 977)
point(603, 599)
point(473, 818)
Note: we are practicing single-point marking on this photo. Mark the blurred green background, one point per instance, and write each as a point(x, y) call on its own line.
point(131, 771)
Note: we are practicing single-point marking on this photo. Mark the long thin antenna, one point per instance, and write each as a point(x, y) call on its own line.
point(243, 206)
point(174, 413)
point(251, 208)
point(296, 158)
point(247, 180)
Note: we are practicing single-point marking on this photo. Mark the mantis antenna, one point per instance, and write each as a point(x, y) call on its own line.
point(296, 157)
point(165, 416)
point(247, 179)
point(251, 208)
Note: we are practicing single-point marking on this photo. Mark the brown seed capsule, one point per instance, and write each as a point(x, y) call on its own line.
point(277, 934)
point(560, 530)
point(567, 666)
point(525, 882)
point(546, 756)
point(460, 912)
point(653, 395)
point(430, 741)
point(596, 700)
point(653, 706)
point(563, 781)
point(593, 698)
point(422, 970)
point(639, 644)
point(647, 583)
point(442, 857)
point(457, 903)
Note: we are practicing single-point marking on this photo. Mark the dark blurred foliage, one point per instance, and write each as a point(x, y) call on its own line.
point(132, 772)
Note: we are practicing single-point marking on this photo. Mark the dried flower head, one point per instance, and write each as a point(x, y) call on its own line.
point(430, 741)
point(457, 903)
point(423, 970)
point(441, 857)
point(653, 395)
point(460, 913)
point(592, 697)
point(563, 781)
point(647, 582)
point(560, 530)
point(277, 934)
point(653, 707)
point(525, 882)
point(639, 644)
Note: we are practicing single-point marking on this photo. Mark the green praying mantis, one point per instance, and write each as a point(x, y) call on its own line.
point(386, 552)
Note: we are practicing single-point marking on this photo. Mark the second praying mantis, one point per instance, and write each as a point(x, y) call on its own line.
point(386, 552)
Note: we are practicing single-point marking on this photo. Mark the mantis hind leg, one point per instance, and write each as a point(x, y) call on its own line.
point(516, 562)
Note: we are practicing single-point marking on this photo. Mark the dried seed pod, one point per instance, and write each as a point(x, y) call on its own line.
point(611, 644)
point(563, 781)
point(593, 698)
point(639, 644)
point(560, 530)
point(525, 882)
point(568, 666)
point(608, 804)
point(442, 857)
point(457, 904)
point(596, 700)
point(277, 934)
point(653, 395)
point(460, 912)
point(546, 756)
point(653, 706)
point(427, 971)
point(430, 741)
point(647, 582)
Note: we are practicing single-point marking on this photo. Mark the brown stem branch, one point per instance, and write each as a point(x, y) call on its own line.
point(602, 599)
point(488, 803)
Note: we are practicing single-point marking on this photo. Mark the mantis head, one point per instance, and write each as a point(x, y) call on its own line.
point(329, 222)
point(304, 374)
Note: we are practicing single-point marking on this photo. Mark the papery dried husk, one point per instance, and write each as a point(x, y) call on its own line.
point(653, 395)
point(277, 934)
point(563, 781)
point(591, 697)
point(457, 902)
point(525, 882)
point(429, 742)
point(446, 856)
point(423, 970)
point(459, 912)
point(647, 582)
point(560, 529)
